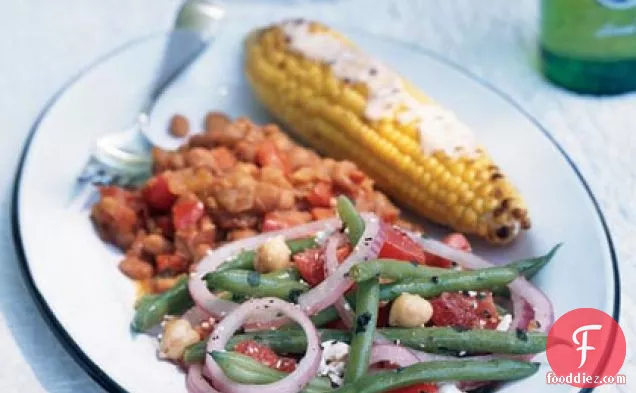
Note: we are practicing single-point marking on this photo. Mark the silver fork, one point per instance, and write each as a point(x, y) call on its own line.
point(124, 157)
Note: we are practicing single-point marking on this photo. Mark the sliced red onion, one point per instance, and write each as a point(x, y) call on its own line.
point(522, 312)
point(345, 312)
point(195, 382)
point(331, 265)
point(218, 307)
point(196, 315)
point(333, 287)
point(294, 382)
point(393, 354)
point(536, 299)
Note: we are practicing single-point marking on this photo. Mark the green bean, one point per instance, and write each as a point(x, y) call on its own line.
point(277, 340)
point(429, 339)
point(288, 341)
point(528, 268)
point(435, 339)
point(253, 284)
point(151, 311)
point(245, 259)
point(286, 274)
point(461, 281)
point(368, 295)
point(352, 220)
point(245, 370)
point(438, 371)
point(396, 270)
point(195, 353)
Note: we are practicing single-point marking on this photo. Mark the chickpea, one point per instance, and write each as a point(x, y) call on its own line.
point(272, 255)
point(178, 334)
point(410, 311)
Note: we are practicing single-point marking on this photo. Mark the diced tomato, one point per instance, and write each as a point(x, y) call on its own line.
point(321, 213)
point(455, 240)
point(400, 246)
point(187, 212)
point(174, 264)
point(274, 221)
point(320, 195)
point(158, 194)
point(419, 388)
point(265, 355)
point(268, 154)
point(468, 312)
point(311, 263)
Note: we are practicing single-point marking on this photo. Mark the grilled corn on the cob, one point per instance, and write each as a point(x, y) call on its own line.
point(348, 105)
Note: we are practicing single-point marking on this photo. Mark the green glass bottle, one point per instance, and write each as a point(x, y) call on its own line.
point(589, 46)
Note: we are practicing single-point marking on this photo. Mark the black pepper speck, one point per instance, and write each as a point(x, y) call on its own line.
point(294, 294)
point(362, 321)
point(522, 335)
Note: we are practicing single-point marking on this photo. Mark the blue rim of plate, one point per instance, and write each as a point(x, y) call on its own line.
point(84, 360)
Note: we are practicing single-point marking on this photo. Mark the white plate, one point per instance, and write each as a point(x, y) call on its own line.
point(89, 303)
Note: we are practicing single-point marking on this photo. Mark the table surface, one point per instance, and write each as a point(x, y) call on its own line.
point(45, 43)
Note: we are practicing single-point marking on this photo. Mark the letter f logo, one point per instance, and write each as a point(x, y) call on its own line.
point(583, 344)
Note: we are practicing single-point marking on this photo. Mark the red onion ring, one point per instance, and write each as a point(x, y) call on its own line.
point(333, 287)
point(196, 315)
point(542, 307)
point(218, 307)
point(342, 306)
point(331, 265)
point(195, 383)
point(522, 312)
point(294, 382)
point(393, 354)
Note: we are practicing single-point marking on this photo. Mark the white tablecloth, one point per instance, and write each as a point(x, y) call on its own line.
point(44, 43)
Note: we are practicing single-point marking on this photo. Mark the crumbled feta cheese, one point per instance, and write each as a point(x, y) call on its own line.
point(505, 322)
point(472, 293)
point(462, 353)
point(332, 363)
point(449, 388)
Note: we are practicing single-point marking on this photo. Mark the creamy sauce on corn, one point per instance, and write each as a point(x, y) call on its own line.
point(439, 129)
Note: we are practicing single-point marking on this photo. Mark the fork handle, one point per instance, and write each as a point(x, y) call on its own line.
point(196, 23)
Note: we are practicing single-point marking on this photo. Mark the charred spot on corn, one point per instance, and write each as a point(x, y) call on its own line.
point(362, 321)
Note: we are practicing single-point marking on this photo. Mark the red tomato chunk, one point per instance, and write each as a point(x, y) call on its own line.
point(265, 355)
point(464, 311)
